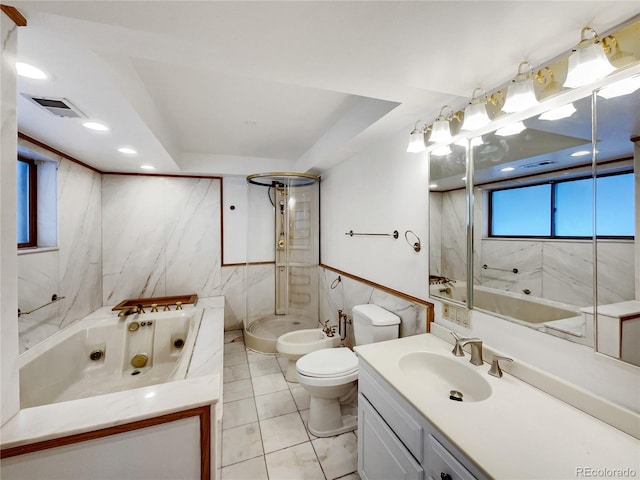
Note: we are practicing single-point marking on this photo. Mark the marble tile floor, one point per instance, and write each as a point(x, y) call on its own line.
point(263, 424)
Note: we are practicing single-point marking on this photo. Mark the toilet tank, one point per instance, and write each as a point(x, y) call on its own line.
point(372, 323)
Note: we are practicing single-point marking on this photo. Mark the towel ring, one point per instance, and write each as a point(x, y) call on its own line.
point(416, 245)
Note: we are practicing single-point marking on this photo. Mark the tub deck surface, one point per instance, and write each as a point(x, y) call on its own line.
point(203, 386)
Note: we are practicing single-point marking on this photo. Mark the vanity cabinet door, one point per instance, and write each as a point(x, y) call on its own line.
point(381, 456)
point(442, 465)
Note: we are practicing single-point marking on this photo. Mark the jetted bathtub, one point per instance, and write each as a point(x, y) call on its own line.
point(109, 354)
point(536, 313)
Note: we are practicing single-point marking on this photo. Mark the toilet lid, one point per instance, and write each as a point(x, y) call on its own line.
point(328, 362)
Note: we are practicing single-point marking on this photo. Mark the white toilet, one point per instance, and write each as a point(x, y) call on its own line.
point(294, 345)
point(331, 374)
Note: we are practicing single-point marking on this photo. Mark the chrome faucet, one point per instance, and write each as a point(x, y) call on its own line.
point(476, 348)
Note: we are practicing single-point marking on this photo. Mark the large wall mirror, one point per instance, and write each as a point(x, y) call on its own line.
point(448, 223)
point(617, 130)
point(553, 226)
point(533, 238)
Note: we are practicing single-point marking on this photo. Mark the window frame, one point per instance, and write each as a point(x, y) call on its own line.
point(33, 203)
point(552, 199)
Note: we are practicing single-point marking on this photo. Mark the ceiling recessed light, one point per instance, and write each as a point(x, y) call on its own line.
point(100, 127)
point(580, 153)
point(513, 129)
point(564, 111)
point(441, 150)
point(433, 185)
point(127, 150)
point(29, 71)
point(147, 167)
point(507, 169)
point(623, 87)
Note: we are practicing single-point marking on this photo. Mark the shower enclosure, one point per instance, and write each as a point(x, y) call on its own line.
point(282, 257)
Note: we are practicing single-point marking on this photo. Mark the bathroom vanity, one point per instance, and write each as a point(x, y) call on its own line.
point(504, 428)
point(396, 441)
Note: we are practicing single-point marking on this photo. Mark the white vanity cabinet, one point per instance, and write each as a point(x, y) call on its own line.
point(395, 442)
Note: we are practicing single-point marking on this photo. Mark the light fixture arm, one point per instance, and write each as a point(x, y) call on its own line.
point(449, 116)
point(419, 130)
point(583, 37)
point(522, 75)
point(479, 99)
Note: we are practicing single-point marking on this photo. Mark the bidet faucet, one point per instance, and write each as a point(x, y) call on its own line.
point(476, 348)
point(329, 331)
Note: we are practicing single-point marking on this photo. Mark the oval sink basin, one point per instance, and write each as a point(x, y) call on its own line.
point(442, 375)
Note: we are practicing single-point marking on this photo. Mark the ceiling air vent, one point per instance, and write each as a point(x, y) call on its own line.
point(60, 107)
point(543, 163)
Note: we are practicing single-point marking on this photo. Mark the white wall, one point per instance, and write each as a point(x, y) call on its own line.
point(9, 400)
point(378, 191)
point(235, 221)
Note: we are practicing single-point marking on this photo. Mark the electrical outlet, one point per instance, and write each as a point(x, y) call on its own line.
point(463, 317)
point(457, 315)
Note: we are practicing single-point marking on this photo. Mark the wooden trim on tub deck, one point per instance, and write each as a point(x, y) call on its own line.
point(14, 14)
point(430, 306)
point(204, 414)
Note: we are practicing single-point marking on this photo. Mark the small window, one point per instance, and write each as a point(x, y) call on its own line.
point(27, 176)
point(615, 206)
point(521, 211)
point(557, 210)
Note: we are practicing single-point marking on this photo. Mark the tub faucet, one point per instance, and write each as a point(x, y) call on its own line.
point(131, 311)
point(476, 348)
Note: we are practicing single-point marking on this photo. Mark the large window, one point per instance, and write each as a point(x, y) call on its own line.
point(557, 209)
point(27, 203)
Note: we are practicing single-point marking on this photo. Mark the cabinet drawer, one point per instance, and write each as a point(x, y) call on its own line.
point(406, 428)
point(381, 456)
point(442, 465)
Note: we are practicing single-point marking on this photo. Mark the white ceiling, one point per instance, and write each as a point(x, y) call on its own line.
point(237, 87)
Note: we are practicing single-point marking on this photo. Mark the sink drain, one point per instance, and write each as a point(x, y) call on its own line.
point(135, 372)
point(455, 395)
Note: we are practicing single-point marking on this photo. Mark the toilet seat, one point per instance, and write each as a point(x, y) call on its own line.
point(328, 363)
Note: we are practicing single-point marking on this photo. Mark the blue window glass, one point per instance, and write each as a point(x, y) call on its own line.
point(526, 211)
point(573, 212)
point(615, 205)
point(23, 201)
point(521, 211)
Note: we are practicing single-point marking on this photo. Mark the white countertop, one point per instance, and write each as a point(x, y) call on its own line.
point(519, 431)
point(203, 386)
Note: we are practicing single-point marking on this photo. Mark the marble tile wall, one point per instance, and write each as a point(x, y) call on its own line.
point(247, 288)
point(73, 269)
point(557, 270)
point(454, 235)
point(161, 236)
point(345, 296)
point(349, 293)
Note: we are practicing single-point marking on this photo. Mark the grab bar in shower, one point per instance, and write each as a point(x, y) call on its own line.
point(54, 298)
point(395, 234)
point(513, 270)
